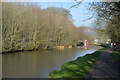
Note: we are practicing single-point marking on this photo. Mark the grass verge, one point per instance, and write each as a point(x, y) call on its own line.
point(116, 57)
point(78, 68)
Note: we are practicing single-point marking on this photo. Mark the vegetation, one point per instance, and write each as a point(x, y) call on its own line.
point(77, 68)
point(0, 27)
point(107, 20)
point(101, 35)
point(108, 17)
point(28, 27)
point(116, 57)
point(107, 46)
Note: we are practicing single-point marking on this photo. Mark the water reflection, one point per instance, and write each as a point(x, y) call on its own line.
point(38, 64)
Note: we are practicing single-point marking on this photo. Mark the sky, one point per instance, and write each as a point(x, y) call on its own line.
point(79, 14)
point(59, 0)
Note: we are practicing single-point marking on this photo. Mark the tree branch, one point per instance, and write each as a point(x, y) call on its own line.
point(76, 5)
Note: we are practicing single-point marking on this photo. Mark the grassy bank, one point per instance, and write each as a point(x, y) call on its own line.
point(116, 57)
point(77, 68)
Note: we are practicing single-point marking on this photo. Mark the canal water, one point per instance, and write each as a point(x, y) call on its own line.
point(38, 64)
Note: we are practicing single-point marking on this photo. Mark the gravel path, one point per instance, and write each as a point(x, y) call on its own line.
point(104, 67)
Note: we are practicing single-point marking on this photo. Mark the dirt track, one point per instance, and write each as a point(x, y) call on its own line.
point(104, 67)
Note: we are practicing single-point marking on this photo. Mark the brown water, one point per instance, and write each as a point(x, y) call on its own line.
point(38, 64)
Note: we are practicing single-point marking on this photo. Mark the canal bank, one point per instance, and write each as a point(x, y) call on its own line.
point(105, 66)
point(78, 68)
point(103, 63)
point(47, 48)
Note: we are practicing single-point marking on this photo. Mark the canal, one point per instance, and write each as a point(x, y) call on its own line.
point(38, 64)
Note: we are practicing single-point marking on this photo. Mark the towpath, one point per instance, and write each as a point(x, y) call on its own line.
point(104, 67)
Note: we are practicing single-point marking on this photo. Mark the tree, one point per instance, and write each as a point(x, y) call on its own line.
point(109, 13)
point(61, 10)
point(28, 27)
